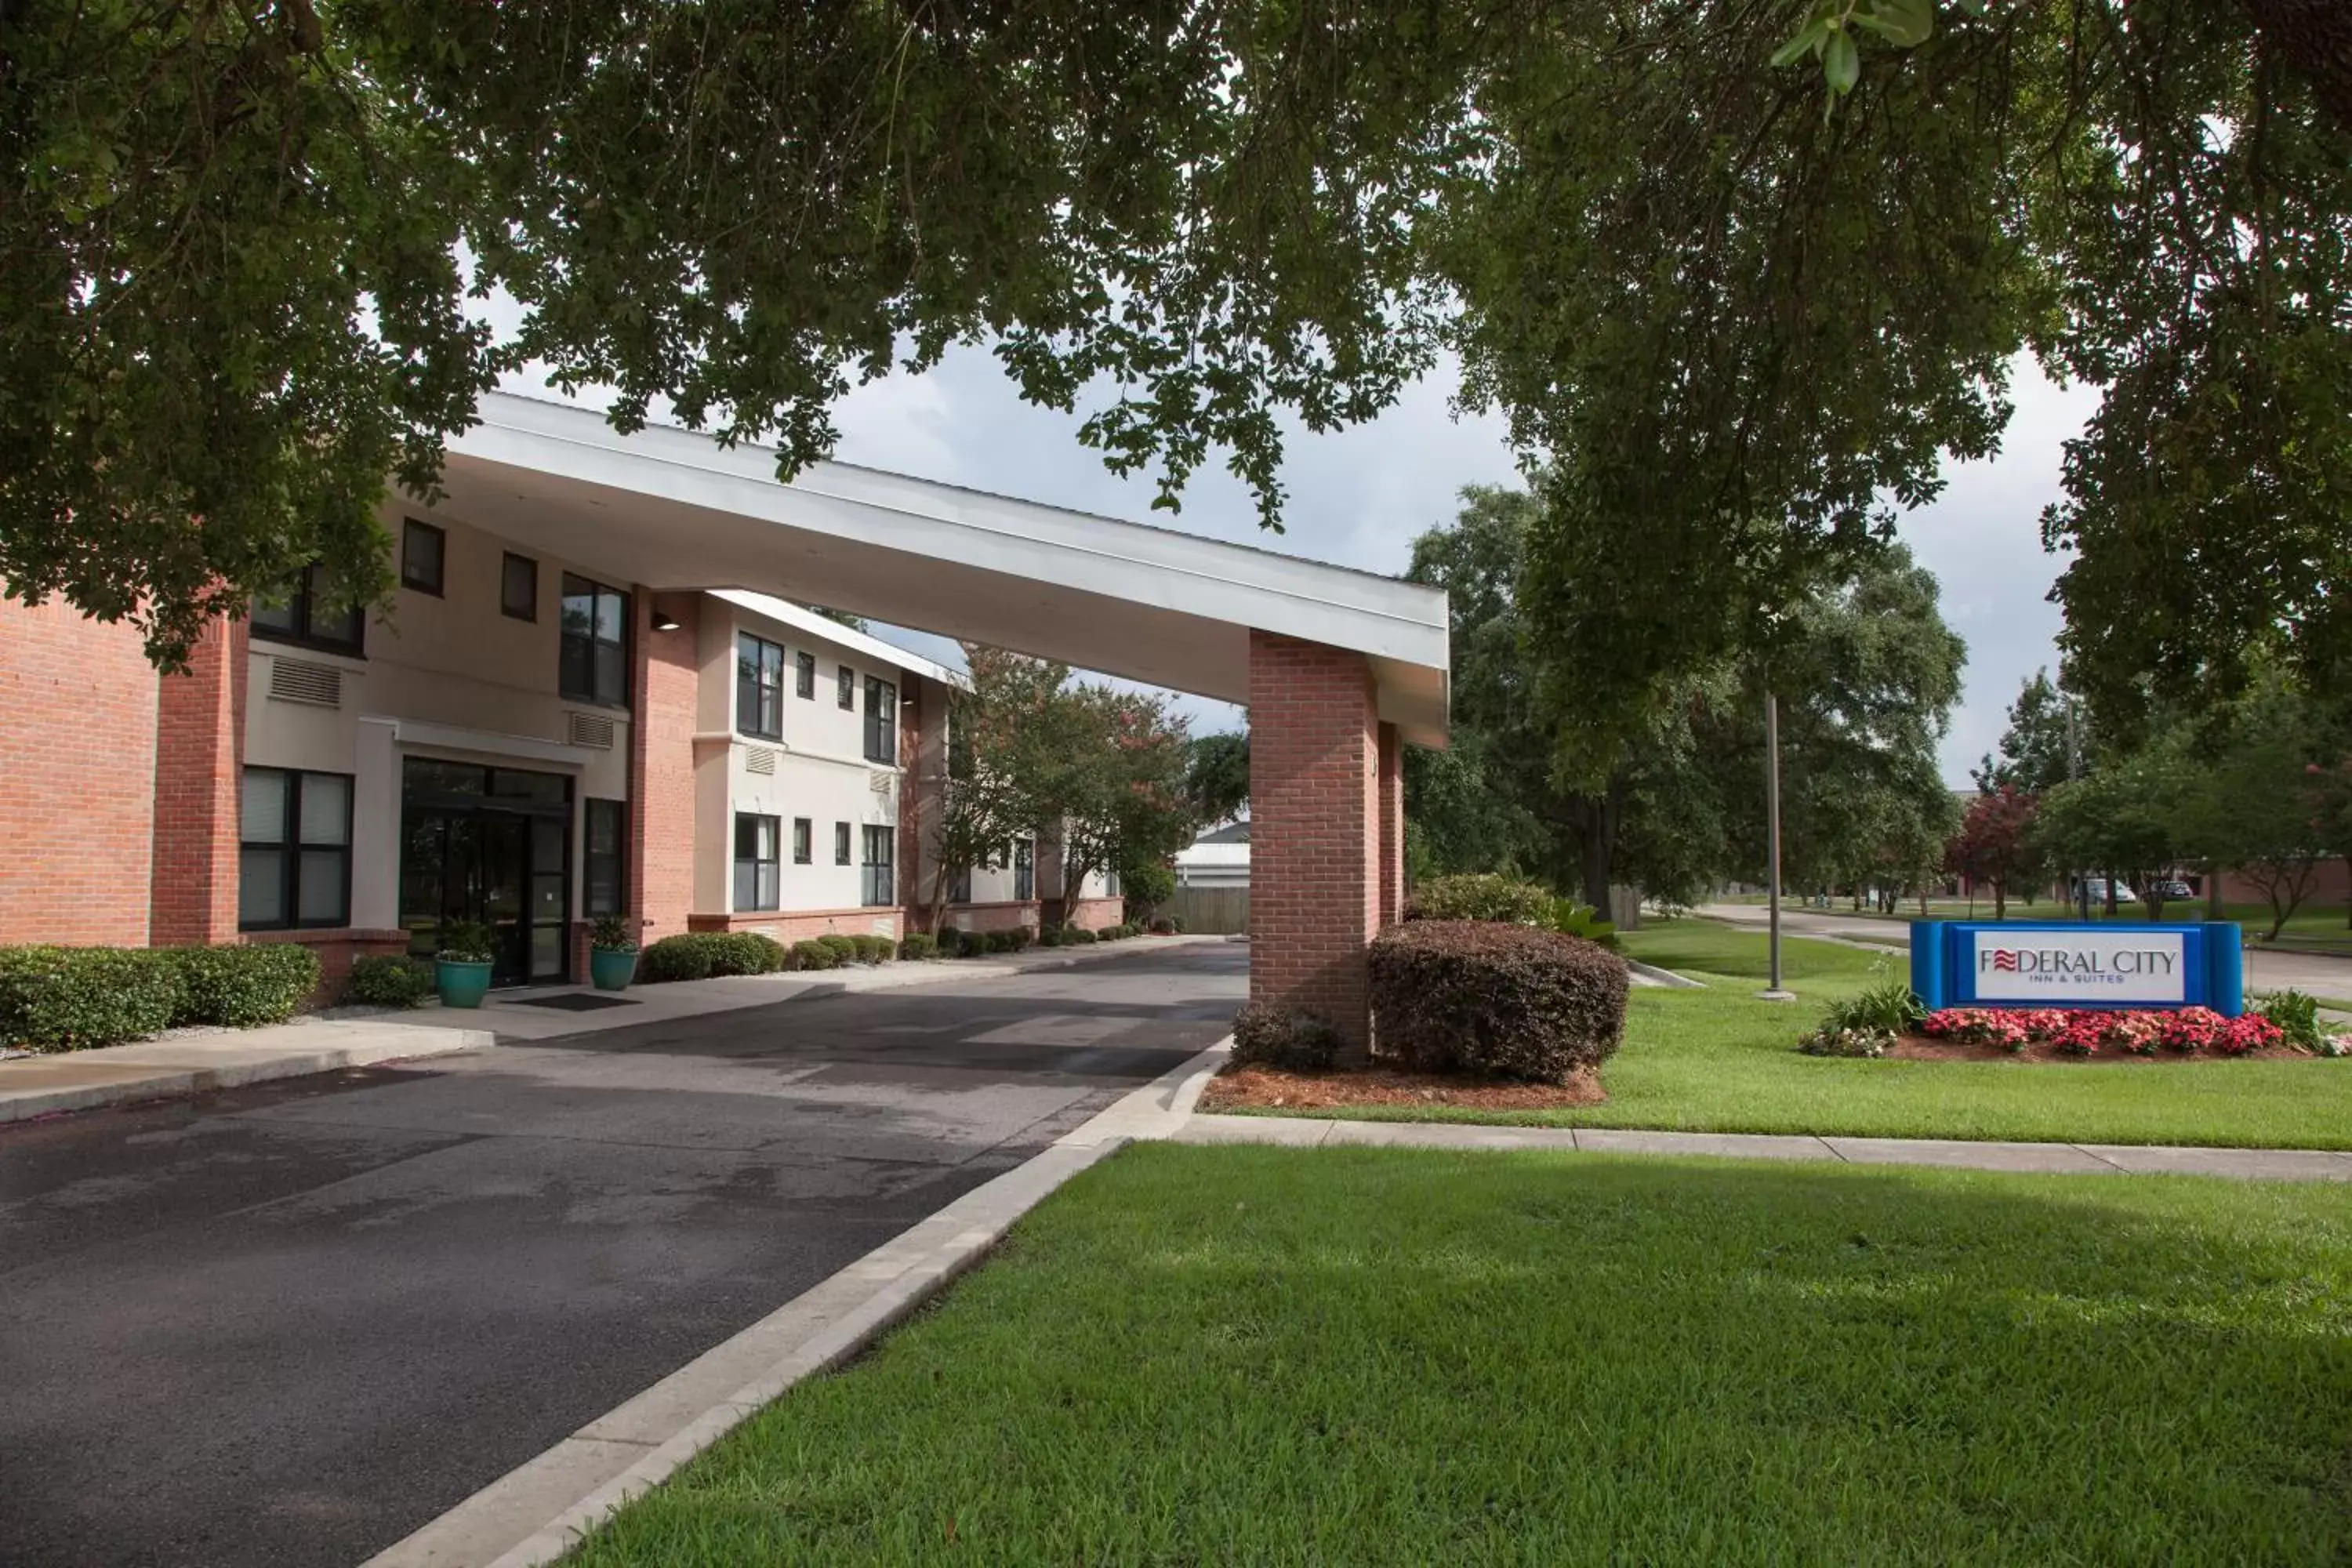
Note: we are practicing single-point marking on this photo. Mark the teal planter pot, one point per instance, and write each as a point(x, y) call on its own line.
point(612, 968)
point(461, 984)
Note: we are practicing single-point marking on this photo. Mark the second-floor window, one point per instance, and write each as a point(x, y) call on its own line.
point(804, 674)
point(423, 550)
point(594, 662)
point(848, 680)
point(881, 721)
point(306, 614)
point(759, 686)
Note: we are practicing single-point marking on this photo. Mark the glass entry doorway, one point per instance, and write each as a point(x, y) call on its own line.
point(491, 844)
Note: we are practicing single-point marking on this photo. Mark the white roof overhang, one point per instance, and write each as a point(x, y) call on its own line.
point(674, 510)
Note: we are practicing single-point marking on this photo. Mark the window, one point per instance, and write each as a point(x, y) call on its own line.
point(304, 616)
point(881, 721)
point(422, 548)
point(594, 663)
point(294, 851)
point(841, 844)
point(880, 885)
point(848, 681)
point(802, 831)
point(519, 587)
point(759, 686)
point(606, 832)
point(804, 678)
point(758, 868)
point(960, 887)
point(1111, 884)
point(1024, 870)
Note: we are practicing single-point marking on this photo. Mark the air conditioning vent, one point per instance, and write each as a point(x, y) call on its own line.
point(759, 760)
point(883, 784)
point(298, 680)
point(590, 729)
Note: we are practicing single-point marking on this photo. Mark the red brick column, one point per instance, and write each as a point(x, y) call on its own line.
point(1391, 792)
point(199, 766)
point(1315, 841)
point(661, 763)
point(913, 692)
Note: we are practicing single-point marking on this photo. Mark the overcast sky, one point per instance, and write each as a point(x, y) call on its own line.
point(1359, 498)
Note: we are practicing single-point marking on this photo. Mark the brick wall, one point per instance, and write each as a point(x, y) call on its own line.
point(992, 917)
point(199, 748)
point(799, 925)
point(1095, 914)
point(77, 785)
point(1315, 841)
point(661, 764)
point(338, 951)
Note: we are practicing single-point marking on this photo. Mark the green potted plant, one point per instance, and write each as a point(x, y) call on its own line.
point(461, 963)
point(612, 953)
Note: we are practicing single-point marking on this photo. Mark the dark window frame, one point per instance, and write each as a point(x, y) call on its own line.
point(881, 722)
point(804, 674)
point(846, 680)
point(841, 845)
point(771, 867)
point(566, 638)
point(303, 604)
point(294, 846)
point(411, 527)
point(506, 587)
point(877, 878)
point(804, 841)
point(590, 905)
point(1024, 869)
point(763, 683)
point(960, 886)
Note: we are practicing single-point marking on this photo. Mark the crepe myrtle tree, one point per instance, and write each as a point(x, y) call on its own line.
point(1995, 844)
point(1122, 791)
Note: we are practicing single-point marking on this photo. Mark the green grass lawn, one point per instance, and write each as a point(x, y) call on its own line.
point(1719, 1060)
point(1248, 1355)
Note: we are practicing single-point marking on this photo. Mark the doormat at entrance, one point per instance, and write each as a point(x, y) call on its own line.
point(573, 1002)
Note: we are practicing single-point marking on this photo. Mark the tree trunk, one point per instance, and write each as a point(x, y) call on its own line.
point(1999, 900)
point(1593, 818)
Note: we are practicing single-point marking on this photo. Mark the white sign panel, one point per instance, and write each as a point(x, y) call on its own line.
point(2064, 967)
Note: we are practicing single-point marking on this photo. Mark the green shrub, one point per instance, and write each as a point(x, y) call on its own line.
point(239, 988)
point(814, 954)
point(613, 933)
point(1481, 895)
point(71, 998)
point(466, 941)
point(1112, 933)
point(876, 949)
point(1000, 941)
point(684, 956)
point(842, 948)
point(1050, 937)
point(743, 952)
point(1889, 1009)
point(1077, 935)
point(387, 980)
point(1022, 937)
point(1290, 1038)
point(917, 946)
point(972, 943)
point(1571, 919)
point(1165, 925)
point(2297, 1017)
point(1496, 999)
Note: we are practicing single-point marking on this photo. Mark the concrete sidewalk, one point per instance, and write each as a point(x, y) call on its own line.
point(2082, 1159)
point(193, 1063)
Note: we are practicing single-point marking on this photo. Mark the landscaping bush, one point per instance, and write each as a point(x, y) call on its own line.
point(1571, 919)
point(1484, 896)
point(239, 988)
point(1495, 999)
point(917, 946)
point(743, 952)
point(1051, 936)
point(1166, 925)
point(2296, 1017)
point(1021, 936)
point(387, 980)
point(842, 948)
point(1000, 941)
point(813, 953)
point(2084, 1032)
point(1076, 936)
point(875, 949)
point(1290, 1038)
point(71, 998)
point(684, 956)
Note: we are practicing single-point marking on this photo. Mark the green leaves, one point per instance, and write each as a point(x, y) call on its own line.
point(1828, 35)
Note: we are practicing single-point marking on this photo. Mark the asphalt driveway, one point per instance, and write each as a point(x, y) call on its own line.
point(292, 1324)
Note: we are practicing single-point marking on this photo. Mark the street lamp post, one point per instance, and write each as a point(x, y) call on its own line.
point(1774, 991)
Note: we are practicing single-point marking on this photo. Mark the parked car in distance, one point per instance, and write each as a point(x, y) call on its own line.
point(2172, 889)
point(2094, 889)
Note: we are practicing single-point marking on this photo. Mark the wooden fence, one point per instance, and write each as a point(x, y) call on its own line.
point(1223, 911)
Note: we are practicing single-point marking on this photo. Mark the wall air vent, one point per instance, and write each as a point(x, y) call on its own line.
point(882, 783)
point(759, 760)
point(298, 680)
point(589, 730)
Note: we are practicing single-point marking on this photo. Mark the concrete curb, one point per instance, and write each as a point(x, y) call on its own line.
point(1665, 977)
point(159, 1069)
point(2076, 1159)
point(536, 1512)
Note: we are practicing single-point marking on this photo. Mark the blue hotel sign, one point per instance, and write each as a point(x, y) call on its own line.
point(1964, 964)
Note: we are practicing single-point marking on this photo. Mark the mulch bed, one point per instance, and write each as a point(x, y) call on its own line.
point(1919, 1048)
point(1267, 1089)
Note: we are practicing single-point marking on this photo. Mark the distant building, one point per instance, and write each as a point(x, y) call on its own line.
point(1218, 859)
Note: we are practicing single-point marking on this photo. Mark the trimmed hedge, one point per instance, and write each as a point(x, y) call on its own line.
point(73, 998)
point(386, 980)
point(875, 949)
point(1291, 1038)
point(1498, 1000)
point(1482, 896)
point(241, 988)
point(812, 953)
point(700, 955)
point(917, 946)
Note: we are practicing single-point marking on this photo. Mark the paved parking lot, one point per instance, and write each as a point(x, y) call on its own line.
point(292, 1324)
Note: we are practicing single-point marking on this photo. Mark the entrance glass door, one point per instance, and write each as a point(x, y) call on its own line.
point(491, 845)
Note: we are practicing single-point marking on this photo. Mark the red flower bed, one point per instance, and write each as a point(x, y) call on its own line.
point(2078, 1032)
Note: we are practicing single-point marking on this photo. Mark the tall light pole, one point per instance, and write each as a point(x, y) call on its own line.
point(1773, 992)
